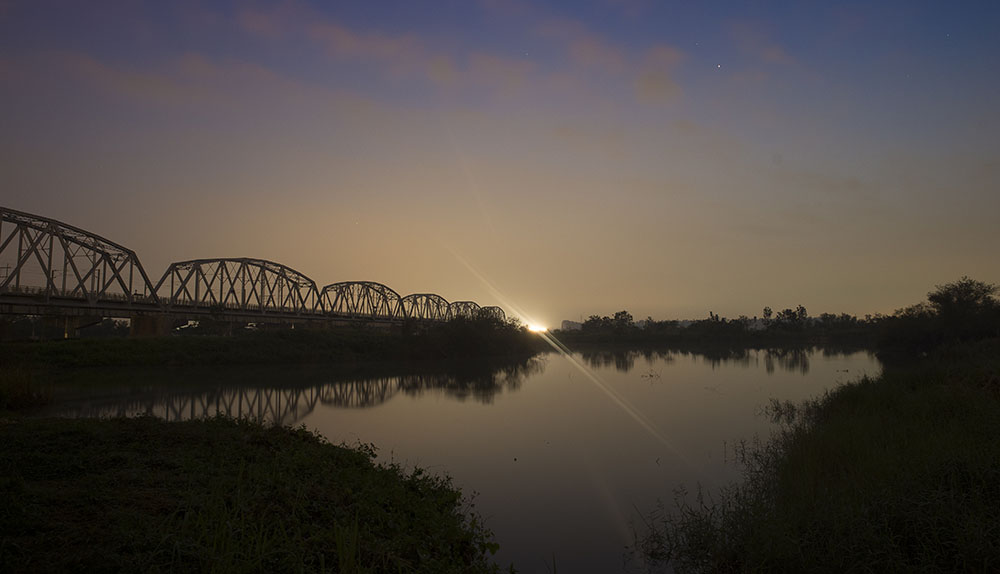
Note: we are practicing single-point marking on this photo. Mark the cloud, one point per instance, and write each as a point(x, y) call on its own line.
point(590, 63)
point(650, 71)
point(190, 81)
point(631, 8)
point(397, 55)
point(261, 23)
point(342, 42)
point(143, 86)
point(754, 40)
point(502, 74)
point(654, 82)
point(584, 48)
point(276, 21)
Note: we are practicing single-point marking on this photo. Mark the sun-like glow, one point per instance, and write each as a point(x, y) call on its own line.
point(537, 328)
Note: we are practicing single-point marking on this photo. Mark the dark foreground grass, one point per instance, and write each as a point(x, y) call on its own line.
point(141, 495)
point(20, 390)
point(895, 474)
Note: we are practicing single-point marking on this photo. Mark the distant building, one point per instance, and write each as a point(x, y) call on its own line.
point(571, 326)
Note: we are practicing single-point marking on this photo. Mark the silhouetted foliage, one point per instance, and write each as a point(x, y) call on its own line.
point(960, 311)
point(965, 310)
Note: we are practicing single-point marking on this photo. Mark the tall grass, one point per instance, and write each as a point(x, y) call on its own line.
point(895, 474)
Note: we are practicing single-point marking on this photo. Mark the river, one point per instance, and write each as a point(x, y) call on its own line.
point(562, 453)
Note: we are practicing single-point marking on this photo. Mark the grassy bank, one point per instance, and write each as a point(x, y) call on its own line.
point(223, 496)
point(457, 339)
point(895, 474)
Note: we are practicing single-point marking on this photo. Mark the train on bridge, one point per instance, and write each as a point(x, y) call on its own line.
point(53, 269)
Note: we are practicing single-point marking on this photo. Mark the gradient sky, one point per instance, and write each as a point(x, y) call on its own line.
point(669, 158)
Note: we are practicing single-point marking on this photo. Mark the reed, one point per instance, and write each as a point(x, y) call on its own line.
point(899, 473)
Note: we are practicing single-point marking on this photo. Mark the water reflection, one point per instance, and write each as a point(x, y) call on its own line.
point(286, 397)
point(793, 360)
point(560, 465)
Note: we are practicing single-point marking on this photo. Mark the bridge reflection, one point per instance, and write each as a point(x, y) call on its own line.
point(287, 405)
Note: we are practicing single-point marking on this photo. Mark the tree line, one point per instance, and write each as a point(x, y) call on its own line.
point(963, 310)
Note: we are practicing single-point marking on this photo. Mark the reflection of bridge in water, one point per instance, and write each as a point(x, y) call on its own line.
point(54, 269)
point(288, 405)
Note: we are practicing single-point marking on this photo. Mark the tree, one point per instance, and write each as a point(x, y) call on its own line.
point(801, 313)
point(962, 298)
point(593, 323)
point(622, 320)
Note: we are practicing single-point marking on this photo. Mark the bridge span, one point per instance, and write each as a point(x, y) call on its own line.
point(53, 269)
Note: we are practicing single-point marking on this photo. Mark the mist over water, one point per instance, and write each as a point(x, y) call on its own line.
point(558, 469)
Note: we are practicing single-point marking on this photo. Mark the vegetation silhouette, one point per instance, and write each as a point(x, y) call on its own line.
point(964, 310)
point(220, 495)
point(205, 344)
point(891, 474)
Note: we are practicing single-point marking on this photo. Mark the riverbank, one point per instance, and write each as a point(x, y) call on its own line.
point(140, 495)
point(456, 339)
point(892, 474)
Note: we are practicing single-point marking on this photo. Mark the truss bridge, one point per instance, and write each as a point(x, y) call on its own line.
point(53, 269)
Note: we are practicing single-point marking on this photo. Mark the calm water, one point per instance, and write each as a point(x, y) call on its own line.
point(562, 451)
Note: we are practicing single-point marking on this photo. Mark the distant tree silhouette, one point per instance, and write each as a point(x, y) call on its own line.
point(965, 297)
point(622, 321)
point(960, 311)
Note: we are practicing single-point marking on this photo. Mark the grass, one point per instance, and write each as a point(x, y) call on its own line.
point(895, 474)
point(221, 496)
point(20, 389)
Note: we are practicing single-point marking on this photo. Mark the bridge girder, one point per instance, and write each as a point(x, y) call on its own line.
point(239, 284)
point(493, 312)
point(464, 309)
point(424, 307)
point(49, 267)
point(360, 299)
point(93, 269)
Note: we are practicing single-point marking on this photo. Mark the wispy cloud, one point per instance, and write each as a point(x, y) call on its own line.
point(585, 48)
point(649, 71)
point(654, 82)
point(500, 73)
point(590, 62)
point(754, 40)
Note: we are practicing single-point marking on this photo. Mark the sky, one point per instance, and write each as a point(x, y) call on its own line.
point(559, 159)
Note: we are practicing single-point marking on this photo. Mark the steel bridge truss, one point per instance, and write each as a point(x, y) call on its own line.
point(361, 299)
point(463, 309)
point(50, 259)
point(425, 306)
point(241, 284)
point(493, 312)
point(46, 264)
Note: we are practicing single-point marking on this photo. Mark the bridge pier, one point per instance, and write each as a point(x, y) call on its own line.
point(149, 326)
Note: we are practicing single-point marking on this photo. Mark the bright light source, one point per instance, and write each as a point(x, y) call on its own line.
point(537, 329)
